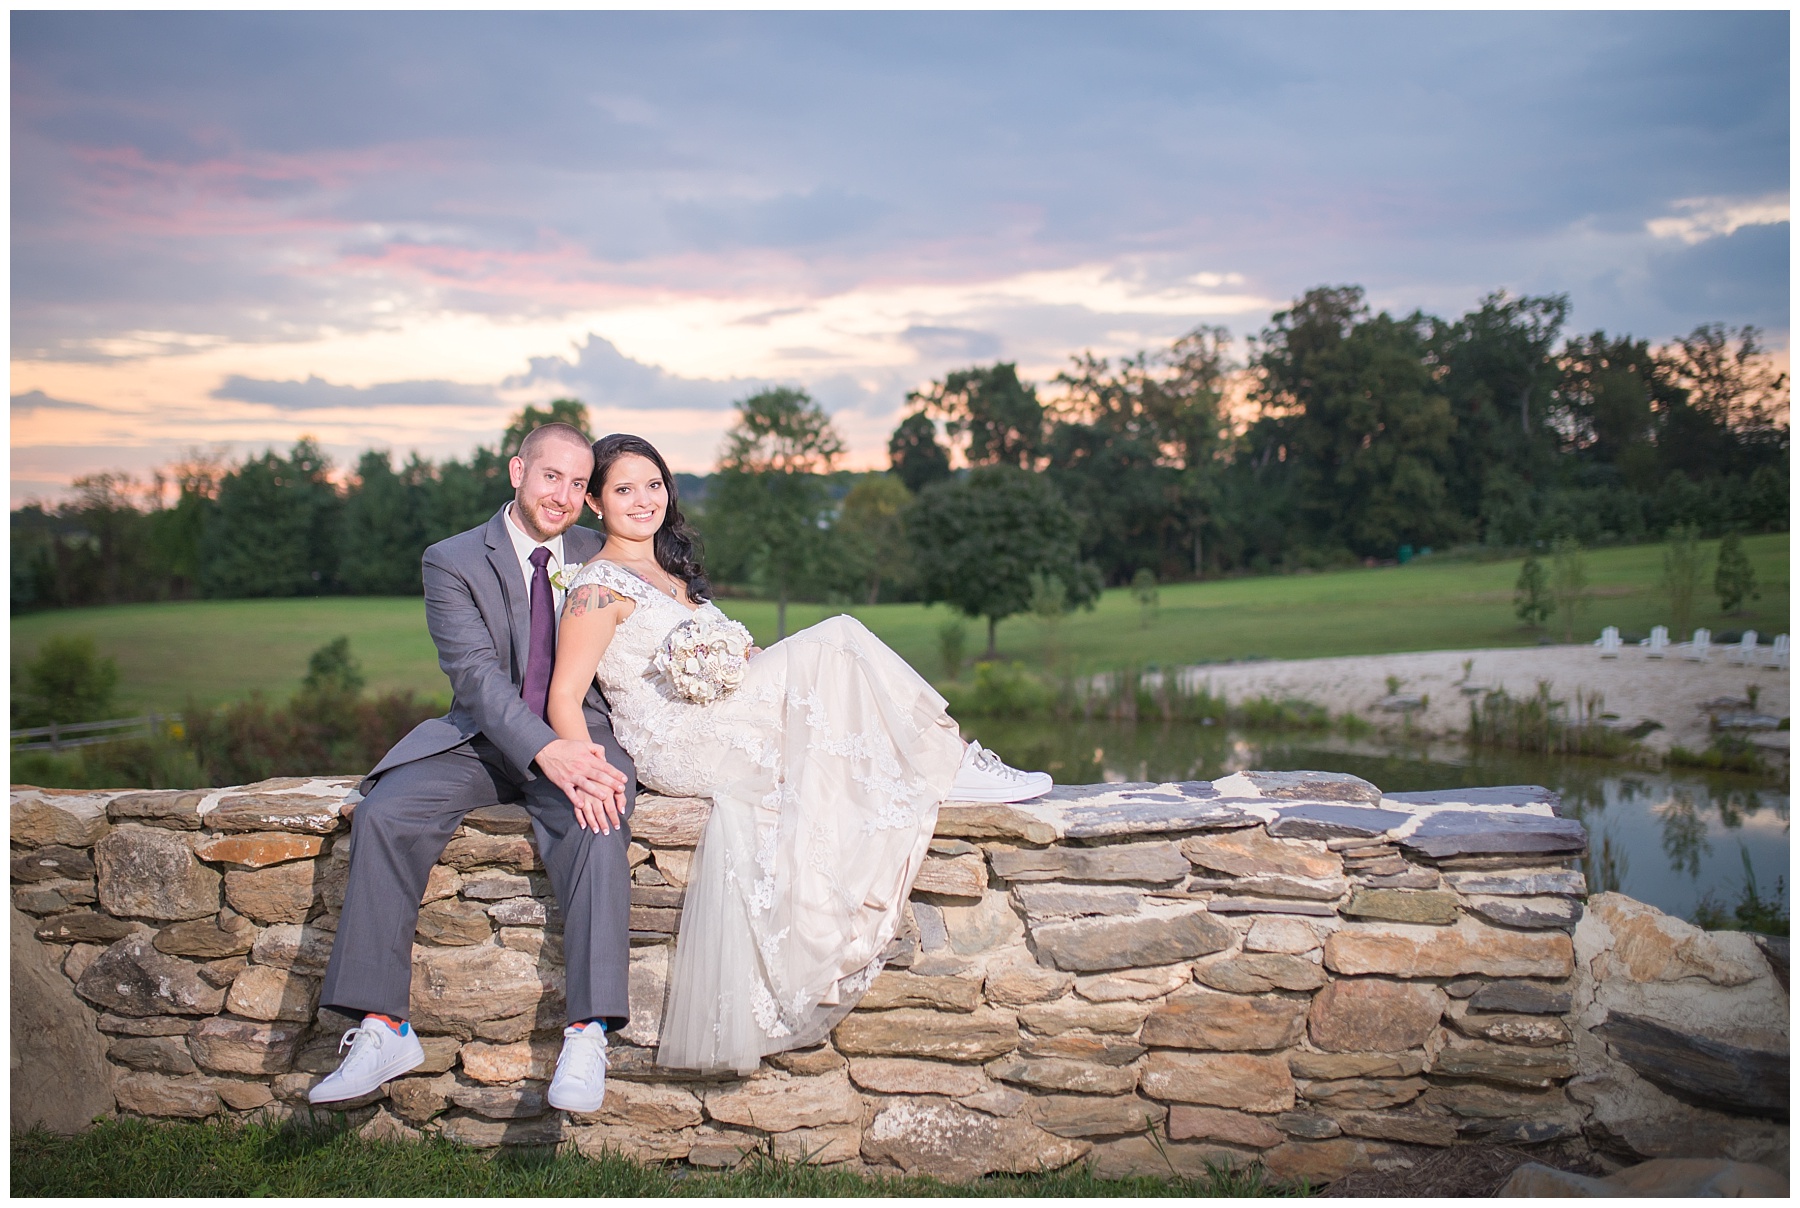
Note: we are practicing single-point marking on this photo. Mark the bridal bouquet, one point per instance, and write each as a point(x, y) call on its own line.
point(704, 657)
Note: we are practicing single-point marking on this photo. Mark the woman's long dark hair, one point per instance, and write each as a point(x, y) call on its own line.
point(677, 544)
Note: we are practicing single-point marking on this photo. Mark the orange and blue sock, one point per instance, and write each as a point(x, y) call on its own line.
point(399, 1026)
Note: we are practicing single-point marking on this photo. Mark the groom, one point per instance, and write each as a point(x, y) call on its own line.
point(492, 609)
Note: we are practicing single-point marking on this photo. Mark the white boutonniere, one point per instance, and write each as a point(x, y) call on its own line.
point(560, 580)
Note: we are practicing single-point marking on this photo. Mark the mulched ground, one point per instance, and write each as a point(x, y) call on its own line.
point(1460, 1170)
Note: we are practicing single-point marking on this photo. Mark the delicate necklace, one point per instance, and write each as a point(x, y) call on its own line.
point(665, 574)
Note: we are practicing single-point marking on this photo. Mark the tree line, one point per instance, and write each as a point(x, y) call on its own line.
point(1339, 435)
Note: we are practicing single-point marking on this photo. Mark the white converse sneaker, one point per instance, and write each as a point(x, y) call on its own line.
point(985, 777)
point(377, 1053)
point(580, 1082)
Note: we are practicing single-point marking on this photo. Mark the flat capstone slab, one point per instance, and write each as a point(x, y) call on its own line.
point(1149, 815)
point(1465, 833)
point(1313, 786)
point(1130, 790)
point(1315, 821)
point(1518, 795)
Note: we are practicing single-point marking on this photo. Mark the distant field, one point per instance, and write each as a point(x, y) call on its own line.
point(220, 650)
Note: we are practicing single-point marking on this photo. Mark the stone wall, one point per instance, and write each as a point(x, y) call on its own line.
point(1290, 968)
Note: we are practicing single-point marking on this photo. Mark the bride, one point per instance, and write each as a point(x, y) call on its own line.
point(825, 767)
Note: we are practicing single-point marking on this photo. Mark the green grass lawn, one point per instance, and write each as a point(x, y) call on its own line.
point(131, 1158)
point(219, 650)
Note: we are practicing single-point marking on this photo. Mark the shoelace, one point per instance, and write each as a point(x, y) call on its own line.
point(353, 1034)
point(345, 1040)
point(581, 1058)
point(987, 761)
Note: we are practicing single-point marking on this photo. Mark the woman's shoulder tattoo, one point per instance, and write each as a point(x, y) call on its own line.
point(589, 597)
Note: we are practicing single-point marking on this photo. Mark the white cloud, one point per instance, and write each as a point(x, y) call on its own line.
point(1703, 218)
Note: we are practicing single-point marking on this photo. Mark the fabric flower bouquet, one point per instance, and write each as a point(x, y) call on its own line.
point(704, 657)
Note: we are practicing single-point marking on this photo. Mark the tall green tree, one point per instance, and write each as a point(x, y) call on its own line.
point(1730, 400)
point(1134, 452)
point(979, 539)
point(1497, 368)
point(871, 533)
point(998, 416)
point(461, 495)
point(768, 502)
point(383, 534)
point(274, 529)
point(571, 411)
point(1606, 400)
point(1362, 427)
point(916, 455)
point(177, 531)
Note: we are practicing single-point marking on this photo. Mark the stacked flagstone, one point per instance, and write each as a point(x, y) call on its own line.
point(1290, 968)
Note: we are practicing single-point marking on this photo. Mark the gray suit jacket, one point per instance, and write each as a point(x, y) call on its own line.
point(477, 608)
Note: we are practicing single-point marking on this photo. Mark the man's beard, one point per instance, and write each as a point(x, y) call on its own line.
point(534, 524)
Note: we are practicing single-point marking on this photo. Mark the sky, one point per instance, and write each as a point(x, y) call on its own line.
point(393, 230)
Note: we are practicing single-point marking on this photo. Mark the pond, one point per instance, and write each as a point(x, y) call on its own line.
point(1670, 838)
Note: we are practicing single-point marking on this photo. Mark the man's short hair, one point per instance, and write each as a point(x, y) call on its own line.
point(551, 431)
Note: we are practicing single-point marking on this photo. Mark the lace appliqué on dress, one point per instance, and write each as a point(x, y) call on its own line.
point(824, 769)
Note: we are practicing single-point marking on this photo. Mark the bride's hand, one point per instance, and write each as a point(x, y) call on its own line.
point(594, 787)
point(752, 652)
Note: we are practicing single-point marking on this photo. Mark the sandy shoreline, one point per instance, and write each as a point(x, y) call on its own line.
point(1669, 690)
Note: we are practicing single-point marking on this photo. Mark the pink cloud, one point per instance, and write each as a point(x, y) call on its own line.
point(238, 193)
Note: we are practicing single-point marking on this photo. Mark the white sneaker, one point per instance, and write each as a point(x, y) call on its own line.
point(985, 777)
point(377, 1053)
point(580, 1082)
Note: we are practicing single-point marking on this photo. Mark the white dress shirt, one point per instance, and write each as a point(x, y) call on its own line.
point(522, 546)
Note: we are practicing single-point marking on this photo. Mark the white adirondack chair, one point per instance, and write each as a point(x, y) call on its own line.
point(1608, 642)
point(1657, 644)
point(1745, 651)
point(1697, 648)
point(1778, 654)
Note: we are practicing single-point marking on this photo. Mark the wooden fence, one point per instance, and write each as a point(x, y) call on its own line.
point(86, 733)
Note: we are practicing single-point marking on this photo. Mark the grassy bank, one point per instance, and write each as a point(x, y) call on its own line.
point(130, 1158)
point(221, 650)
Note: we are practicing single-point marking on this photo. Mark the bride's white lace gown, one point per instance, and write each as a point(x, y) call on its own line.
point(825, 768)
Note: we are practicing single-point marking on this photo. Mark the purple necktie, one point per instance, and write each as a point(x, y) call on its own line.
point(543, 635)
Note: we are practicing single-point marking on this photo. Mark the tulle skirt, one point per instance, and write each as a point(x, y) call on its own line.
point(834, 759)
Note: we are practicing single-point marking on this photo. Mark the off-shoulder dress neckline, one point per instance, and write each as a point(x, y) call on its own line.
point(675, 600)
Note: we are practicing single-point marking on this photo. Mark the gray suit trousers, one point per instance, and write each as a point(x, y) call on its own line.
point(401, 828)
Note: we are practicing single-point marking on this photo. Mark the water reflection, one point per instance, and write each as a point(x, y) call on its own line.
point(1667, 838)
point(1683, 832)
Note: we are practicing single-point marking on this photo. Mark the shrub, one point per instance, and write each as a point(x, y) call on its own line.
point(1725, 753)
point(1684, 569)
point(316, 734)
point(327, 728)
point(1735, 578)
point(1531, 594)
point(1143, 590)
point(1288, 713)
point(1569, 582)
point(1540, 723)
point(67, 682)
point(953, 640)
point(1001, 690)
point(1751, 912)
